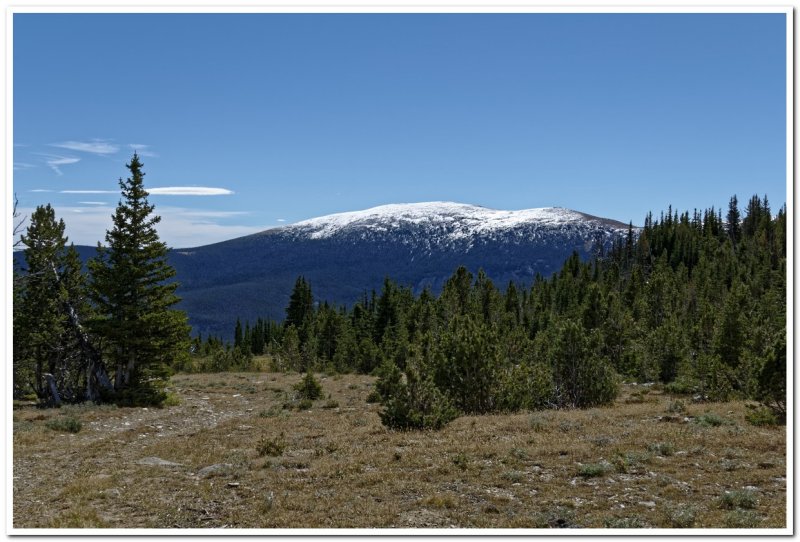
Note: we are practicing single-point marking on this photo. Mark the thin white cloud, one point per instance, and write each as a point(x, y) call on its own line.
point(40, 190)
point(213, 214)
point(88, 191)
point(281, 220)
point(189, 191)
point(92, 202)
point(142, 150)
point(94, 147)
point(179, 227)
point(54, 161)
point(22, 165)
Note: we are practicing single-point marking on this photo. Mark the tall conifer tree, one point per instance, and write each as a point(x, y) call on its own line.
point(133, 296)
point(40, 317)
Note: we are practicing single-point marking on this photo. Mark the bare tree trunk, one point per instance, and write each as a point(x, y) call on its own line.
point(53, 389)
point(118, 377)
point(96, 367)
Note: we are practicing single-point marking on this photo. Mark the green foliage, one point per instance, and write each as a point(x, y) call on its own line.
point(664, 449)
point(461, 460)
point(682, 386)
point(525, 386)
point(301, 305)
point(581, 378)
point(680, 516)
point(467, 365)
point(132, 293)
point(412, 401)
point(761, 417)
point(742, 519)
point(46, 297)
point(592, 470)
point(740, 498)
point(309, 388)
point(172, 399)
point(710, 419)
point(689, 300)
point(271, 446)
point(66, 424)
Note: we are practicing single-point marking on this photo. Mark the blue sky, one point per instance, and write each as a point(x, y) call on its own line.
point(289, 117)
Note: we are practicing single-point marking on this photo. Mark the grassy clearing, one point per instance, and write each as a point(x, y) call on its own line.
point(234, 451)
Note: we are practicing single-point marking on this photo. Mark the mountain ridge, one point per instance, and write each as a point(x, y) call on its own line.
point(345, 255)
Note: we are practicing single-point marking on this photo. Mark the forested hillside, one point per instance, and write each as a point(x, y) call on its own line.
point(696, 301)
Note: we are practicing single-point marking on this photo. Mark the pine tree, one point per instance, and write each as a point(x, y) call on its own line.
point(300, 310)
point(40, 317)
point(133, 296)
point(734, 226)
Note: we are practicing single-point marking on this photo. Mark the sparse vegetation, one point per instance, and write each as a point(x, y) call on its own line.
point(478, 471)
point(710, 419)
point(680, 516)
point(762, 416)
point(592, 470)
point(742, 519)
point(67, 424)
point(740, 498)
point(309, 388)
point(271, 446)
point(665, 449)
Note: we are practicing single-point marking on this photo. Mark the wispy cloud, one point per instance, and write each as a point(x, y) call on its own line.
point(189, 191)
point(96, 146)
point(40, 190)
point(88, 191)
point(54, 161)
point(22, 165)
point(213, 214)
point(179, 228)
point(92, 202)
point(142, 150)
point(281, 220)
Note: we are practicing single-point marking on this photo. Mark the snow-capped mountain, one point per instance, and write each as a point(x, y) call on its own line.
point(446, 223)
point(345, 255)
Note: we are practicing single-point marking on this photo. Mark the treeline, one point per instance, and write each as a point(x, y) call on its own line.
point(695, 301)
point(109, 335)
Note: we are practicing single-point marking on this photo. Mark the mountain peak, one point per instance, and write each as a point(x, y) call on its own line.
point(455, 220)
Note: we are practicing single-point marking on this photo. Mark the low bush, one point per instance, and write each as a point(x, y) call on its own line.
point(411, 402)
point(761, 416)
point(709, 419)
point(592, 470)
point(742, 519)
point(66, 424)
point(271, 446)
point(680, 516)
point(664, 449)
point(309, 388)
point(740, 498)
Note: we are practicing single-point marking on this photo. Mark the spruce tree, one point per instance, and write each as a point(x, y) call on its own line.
point(40, 319)
point(300, 311)
point(734, 226)
point(133, 296)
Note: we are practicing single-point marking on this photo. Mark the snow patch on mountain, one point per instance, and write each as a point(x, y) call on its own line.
point(453, 220)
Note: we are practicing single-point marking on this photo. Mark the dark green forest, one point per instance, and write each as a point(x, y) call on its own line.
point(694, 301)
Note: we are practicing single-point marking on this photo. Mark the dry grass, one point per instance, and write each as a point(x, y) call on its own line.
point(637, 464)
